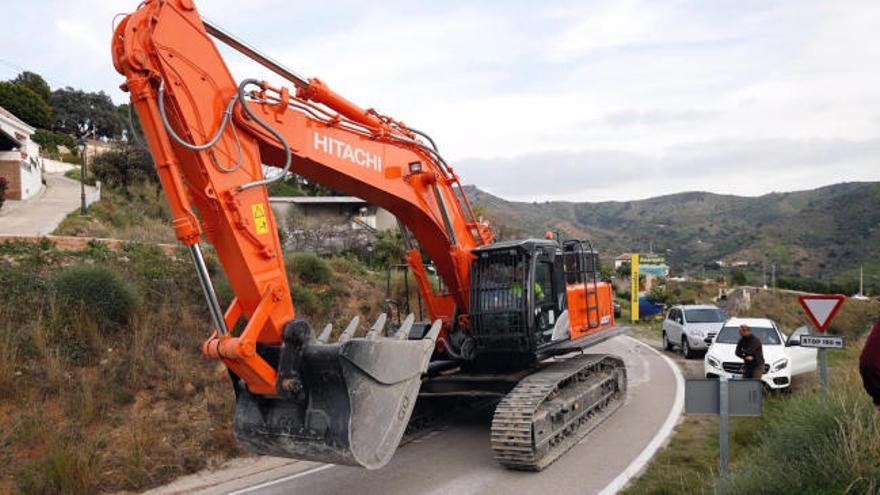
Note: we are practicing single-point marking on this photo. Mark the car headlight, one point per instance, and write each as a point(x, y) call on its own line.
point(713, 362)
point(780, 364)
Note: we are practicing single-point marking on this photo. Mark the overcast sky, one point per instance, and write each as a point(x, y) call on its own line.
point(576, 100)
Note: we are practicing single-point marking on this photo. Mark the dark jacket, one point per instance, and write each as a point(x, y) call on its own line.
point(750, 346)
point(869, 364)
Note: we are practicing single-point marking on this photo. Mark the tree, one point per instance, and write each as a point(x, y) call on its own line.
point(80, 113)
point(738, 277)
point(25, 104)
point(35, 83)
point(624, 270)
point(124, 166)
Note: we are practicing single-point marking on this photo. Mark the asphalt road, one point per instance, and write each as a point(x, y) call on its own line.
point(456, 458)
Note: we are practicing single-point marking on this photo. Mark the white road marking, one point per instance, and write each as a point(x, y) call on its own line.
point(660, 437)
point(282, 480)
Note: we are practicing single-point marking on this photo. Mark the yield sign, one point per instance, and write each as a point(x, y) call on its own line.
point(822, 308)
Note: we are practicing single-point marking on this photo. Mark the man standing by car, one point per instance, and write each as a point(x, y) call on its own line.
point(750, 350)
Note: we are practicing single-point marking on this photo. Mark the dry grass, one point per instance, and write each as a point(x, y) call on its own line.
point(84, 410)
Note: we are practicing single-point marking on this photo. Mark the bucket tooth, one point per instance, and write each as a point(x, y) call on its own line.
point(434, 331)
point(406, 327)
point(378, 327)
point(325, 334)
point(349, 331)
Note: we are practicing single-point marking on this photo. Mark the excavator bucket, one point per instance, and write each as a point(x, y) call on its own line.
point(346, 402)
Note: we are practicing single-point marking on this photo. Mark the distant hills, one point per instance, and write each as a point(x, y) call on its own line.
point(820, 233)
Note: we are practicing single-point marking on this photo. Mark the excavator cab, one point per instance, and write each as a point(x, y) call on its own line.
point(518, 301)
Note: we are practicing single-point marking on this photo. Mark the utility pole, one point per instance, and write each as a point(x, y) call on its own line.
point(764, 273)
point(861, 280)
point(773, 274)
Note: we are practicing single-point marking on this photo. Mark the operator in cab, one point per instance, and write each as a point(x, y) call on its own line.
point(750, 350)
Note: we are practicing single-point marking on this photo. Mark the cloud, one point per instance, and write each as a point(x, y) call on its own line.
point(744, 167)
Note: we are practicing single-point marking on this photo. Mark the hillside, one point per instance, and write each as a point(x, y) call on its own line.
point(815, 233)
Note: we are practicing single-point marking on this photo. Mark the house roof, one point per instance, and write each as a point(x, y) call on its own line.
point(330, 200)
point(12, 119)
point(624, 257)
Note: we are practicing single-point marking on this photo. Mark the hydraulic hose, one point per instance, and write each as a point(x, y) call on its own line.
point(195, 147)
point(201, 147)
point(288, 157)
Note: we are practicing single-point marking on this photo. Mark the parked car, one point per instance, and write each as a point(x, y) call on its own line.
point(783, 357)
point(691, 327)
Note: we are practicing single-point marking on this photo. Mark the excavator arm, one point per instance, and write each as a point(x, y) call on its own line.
point(210, 138)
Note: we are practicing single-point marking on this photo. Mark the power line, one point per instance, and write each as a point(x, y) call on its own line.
point(19, 69)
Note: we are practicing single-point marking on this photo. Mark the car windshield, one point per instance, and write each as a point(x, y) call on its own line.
point(730, 335)
point(705, 315)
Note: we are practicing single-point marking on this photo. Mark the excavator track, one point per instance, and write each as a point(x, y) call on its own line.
point(549, 411)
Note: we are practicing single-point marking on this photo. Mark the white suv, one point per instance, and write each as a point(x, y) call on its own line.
point(783, 357)
point(692, 327)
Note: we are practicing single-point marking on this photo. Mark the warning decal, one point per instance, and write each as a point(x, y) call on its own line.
point(260, 221)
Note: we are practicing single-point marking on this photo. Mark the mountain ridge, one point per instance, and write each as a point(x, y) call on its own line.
point(820, 232)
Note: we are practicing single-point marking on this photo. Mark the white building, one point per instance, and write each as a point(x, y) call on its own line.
point(20, 162)
point(620, 260)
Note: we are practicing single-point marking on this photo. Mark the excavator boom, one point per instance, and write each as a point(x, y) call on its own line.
point(346, 401)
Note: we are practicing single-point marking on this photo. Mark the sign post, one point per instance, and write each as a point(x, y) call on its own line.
point(723, 398)
point(634, 287)
point(822, 309)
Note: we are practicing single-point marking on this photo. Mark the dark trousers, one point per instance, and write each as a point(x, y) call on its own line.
point(753, 371)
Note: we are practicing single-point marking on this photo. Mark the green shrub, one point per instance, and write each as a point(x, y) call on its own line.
point(310, 268)
point(348, 264)
point(104, 294)
point(305, 300)
point(50, 140)
point(123, 167)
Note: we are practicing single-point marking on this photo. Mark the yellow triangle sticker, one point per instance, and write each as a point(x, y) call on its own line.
point(261, 222)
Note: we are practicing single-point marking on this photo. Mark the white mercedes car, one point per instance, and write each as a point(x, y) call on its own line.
point(783, 356)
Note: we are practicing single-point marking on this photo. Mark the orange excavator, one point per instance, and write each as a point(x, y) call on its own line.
point(511, 321)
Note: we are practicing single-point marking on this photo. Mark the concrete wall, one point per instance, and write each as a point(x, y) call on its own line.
point(385, 220)
point(31, 177)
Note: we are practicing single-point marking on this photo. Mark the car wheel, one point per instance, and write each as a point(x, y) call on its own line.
point(666, 343)
point(686, 349)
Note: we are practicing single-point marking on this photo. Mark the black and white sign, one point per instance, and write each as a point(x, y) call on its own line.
point(823, 341)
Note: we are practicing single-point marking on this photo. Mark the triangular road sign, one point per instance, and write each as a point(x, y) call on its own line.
point(822, 308)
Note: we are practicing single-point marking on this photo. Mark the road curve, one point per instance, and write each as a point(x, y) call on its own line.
point(457, 458)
